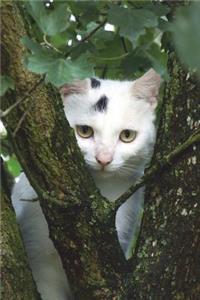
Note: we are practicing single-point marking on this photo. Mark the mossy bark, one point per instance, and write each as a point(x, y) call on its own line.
point(82, 225)
point(17, 282)
point(167, 261)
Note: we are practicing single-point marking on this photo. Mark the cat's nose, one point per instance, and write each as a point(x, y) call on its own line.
point(104, 159)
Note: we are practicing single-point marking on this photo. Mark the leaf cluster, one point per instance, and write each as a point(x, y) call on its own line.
point(187, 35)
point(116, 39)
point(77, 39)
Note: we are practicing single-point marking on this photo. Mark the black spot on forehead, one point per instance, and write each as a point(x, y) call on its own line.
point(101, 104)
point(95, 83)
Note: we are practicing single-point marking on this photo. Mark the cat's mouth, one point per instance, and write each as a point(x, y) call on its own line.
point(100, 169)
point(103, 171)
point(126, 169)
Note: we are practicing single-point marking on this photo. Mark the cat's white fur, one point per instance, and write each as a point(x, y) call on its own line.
point(130, 105)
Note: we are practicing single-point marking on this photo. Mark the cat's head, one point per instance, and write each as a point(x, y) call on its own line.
point(113, 121)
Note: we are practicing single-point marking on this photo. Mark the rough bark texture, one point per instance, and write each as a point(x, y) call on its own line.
point(83, 228)
point(167, 262)
point(16, 277)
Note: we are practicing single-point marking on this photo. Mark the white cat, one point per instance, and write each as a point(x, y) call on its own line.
point(114, 127)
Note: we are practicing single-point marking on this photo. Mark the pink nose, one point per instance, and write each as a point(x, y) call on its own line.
point(104, 158)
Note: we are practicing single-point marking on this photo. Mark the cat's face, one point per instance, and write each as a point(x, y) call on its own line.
point(113, 122)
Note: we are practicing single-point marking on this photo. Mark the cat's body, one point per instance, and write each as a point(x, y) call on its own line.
point(113, 123)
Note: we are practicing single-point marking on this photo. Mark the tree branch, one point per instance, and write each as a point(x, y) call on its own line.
point(84, 233)
point(119, 57)
point(46, 42)
point(124, 45)
point(86, 38)
point(21, 120)
point(4, 113)
point(159, 167)
point(17, 280)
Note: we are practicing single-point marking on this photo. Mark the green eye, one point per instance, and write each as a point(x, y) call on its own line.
point(84, 131)
point(127, 135)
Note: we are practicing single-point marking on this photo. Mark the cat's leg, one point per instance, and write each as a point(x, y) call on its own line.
point(43, 258)
point(128, 222)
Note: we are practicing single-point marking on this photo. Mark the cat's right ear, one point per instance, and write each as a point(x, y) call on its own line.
point(147, 87)
point(76, 87)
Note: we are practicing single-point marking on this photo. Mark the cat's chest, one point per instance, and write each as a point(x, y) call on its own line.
point(112, 188)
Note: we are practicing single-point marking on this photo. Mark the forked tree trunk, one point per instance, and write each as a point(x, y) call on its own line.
point(167, 265)
point(81, 221)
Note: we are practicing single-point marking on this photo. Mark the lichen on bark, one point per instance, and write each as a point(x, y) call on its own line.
point(83, 228)
point(17, 281)
point(167, 261)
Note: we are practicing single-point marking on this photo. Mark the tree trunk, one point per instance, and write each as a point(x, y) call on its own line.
point(167, 262)
point(17, 281)
point(81, 221)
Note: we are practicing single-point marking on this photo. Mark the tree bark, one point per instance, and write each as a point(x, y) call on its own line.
point(17, 281)
point(81, 221)
point(167, 261)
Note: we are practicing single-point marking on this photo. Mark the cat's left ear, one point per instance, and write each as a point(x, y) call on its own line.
point(147, 87)
point(76, 87)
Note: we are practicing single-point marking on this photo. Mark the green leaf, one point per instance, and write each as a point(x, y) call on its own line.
point(145, 41)
point(187, 35)
point(83, 48)
point(165, 25)
point(102, 38)
point(58, 70)
point(82, 67)
point(132, 22)
point(91, 12)
point(60, 40)
point(111, 49)
point(158, 8)
point(63, 71)
point(31, 45)
point(6, 84)
point(13, 166)
point(50, 21)
point(86, 11)
point(158, 59)
point(39, 62)
point(134, 63)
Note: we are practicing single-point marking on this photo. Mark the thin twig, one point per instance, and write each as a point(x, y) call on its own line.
point(124, 44)
point(105, 69)
point(29, 200)
point(159, 167)
point(86, 38)
point(22, 119)
point(113, 57)
point(46, 42)
point(4, 113)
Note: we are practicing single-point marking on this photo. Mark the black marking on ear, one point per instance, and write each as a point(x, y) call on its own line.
point(101, 104)
point(95, 83)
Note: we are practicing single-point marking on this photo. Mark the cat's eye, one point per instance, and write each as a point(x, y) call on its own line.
point(127, 135)
point(84, 131)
